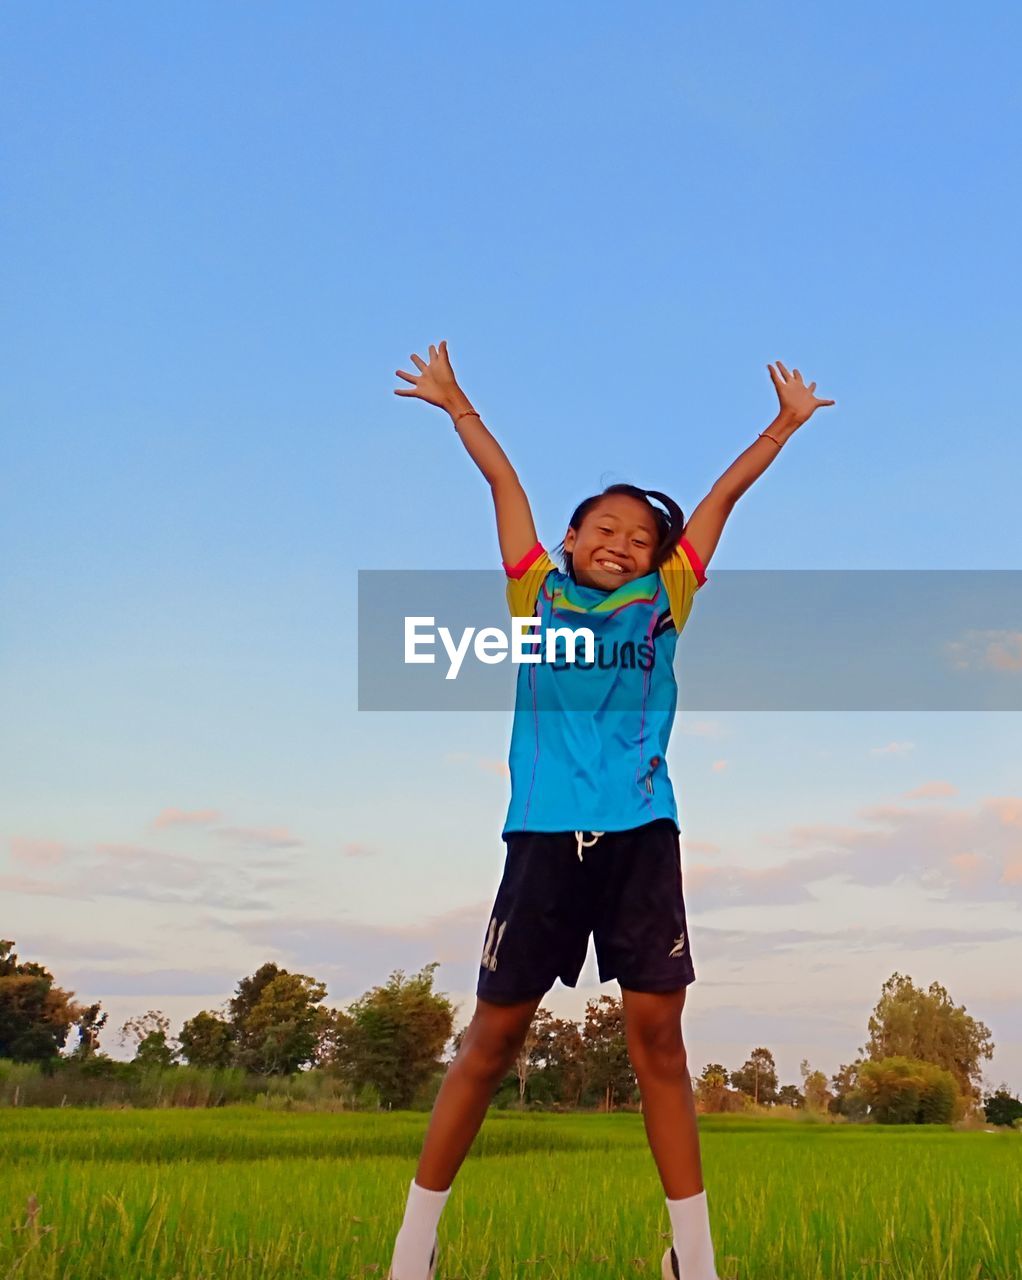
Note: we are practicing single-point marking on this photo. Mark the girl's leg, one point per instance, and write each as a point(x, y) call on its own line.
point(653, 1030)
point(490, 1045)
point(657, 1051)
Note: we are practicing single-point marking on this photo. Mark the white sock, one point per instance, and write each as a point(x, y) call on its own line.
point(417, 1236)
point(691, 1223)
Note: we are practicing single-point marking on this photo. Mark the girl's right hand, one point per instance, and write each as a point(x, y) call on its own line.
point(436, 382)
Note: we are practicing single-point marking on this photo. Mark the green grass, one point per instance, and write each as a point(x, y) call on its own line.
point(240, 1193)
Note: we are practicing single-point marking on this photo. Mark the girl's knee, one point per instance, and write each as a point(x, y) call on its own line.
point(660, 1064)
point(491, 1045)
point(658, 1046)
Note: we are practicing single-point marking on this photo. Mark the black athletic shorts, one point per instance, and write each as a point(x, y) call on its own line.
point(623, 887)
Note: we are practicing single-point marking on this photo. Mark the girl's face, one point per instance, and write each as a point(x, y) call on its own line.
point(615, 543)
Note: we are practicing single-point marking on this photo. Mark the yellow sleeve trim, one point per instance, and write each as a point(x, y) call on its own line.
point(682, 576)
point(523, 590)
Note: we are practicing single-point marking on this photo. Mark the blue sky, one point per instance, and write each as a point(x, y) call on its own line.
point(225, 229)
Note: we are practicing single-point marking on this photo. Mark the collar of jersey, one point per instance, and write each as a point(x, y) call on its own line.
point(566, 593)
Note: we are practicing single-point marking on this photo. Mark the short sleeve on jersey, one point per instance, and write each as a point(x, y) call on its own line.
point(682, 574)
point(525, 579)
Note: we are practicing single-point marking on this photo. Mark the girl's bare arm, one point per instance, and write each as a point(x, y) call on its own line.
point(797, 405)
point(436, 383)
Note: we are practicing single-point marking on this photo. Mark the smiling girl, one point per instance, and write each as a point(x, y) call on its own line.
point(592, 829)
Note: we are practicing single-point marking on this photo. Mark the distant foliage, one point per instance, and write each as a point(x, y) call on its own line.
point(1003, 1107)
point(757, 1078)
point(36, 1015)
point(929, 1027)
point(393, 1037)
point(712, 1093)
point(150, 1034)
point(275, 1042)
point(901, 1090)
point(102, 1082)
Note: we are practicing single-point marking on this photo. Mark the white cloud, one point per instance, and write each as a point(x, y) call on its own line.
point(992, 650)
point(931, 790)
point(186, 818)
point(36, 853)
point(264, 837)
point(132, 871)
point(961, 855)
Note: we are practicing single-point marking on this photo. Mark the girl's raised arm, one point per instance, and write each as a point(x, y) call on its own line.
point(437, 385)
point(796, 405)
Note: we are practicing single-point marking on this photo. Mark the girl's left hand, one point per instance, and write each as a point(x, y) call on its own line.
point(797, 400)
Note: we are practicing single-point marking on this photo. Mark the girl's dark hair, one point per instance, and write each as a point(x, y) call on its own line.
point(670, 523)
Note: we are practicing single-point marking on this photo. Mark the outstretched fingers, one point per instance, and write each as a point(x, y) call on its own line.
point(421, 365)
point(786, 384)
point(435, 381)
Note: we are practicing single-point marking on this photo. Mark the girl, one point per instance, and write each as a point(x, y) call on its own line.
point(592, 828)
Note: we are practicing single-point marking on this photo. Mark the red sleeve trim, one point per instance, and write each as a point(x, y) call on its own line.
point(694, 560)
point(530, 557)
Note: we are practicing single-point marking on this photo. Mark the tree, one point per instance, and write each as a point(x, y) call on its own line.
point(333, 1036)
point(1002, 1106)
point(207, 1040)
point(711, 1087)
point(395, 1036)
point(281, 1031)
point(902, 1090)
point(757, 1078)
point(553, 1060)
point(89, 1022)
point(247, 995)
point(927, 1026)
point(814, 1088)
point(606, 1050)
point(35, 1015)
point(789, 1095)
point(561, 1052)
point(150, 1034)
point(847, 1098)
point(525, 1059)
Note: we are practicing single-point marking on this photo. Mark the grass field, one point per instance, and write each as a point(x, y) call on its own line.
point(240, 1192)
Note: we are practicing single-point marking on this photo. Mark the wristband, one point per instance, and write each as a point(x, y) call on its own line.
point(465, 413)
point(770, 437)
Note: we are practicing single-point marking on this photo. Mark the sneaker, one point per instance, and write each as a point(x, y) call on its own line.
point(432, 1264)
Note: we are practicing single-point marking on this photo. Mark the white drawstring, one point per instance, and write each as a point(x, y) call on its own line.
point(585, 844)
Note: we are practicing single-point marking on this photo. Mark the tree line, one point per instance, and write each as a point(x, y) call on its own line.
point(390, 1048)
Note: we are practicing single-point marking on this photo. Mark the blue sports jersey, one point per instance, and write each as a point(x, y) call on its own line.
point(589, 739)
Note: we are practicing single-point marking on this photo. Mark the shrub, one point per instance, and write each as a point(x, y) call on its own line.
point(903, 1090)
